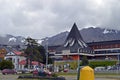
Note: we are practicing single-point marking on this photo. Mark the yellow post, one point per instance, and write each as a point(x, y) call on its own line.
point(86, 73)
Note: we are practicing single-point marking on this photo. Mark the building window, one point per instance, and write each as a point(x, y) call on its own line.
point(10, 59)
point(18, 60)
point(13, 60)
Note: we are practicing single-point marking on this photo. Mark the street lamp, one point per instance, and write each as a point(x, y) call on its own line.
point(118, 62)
point(78, 64)
point(45, 42)
point(46, 52)
point(79, 51)
point(78, 58)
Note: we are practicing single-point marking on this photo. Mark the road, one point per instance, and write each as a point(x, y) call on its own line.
point(14, 77)
point(8, 77)
point(75, 78)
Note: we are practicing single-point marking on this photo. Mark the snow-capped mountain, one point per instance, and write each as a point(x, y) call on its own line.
point(90, 34)
point(99, 34)
point(11, 40)
point(106, 31)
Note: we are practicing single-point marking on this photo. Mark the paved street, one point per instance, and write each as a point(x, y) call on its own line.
point(75, 78)
point(8, 77)
point(14, 77)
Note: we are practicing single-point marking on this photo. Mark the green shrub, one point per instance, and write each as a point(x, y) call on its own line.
point(54, 75)
point(73, 65)
point(84, 61)
point(94, 64)
point(6, 64)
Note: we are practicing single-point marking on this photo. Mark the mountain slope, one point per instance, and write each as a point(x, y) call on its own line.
point(11, 40)
point(88, 34)
point(98, 34)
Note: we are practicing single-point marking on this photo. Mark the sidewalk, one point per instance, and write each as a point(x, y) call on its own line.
point(98, 78)
point(70, 77)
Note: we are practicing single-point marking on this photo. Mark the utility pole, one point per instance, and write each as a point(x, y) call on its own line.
point(46, 53)
point(118, 62)
point(78, 59)
point(78, 64)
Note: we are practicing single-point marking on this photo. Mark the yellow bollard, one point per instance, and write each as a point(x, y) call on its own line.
point(86, 73)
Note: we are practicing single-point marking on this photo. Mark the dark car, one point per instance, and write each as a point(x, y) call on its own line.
point(65, 70)
point(35, 72)
point(41, 73)
point(8, 71)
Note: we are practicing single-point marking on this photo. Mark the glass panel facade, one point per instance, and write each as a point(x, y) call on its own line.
point(107, 51)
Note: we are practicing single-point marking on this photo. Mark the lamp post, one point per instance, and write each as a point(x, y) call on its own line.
point(118, 62)
point(46, 53)
point(118, 58)
point(78, 69)
point(78, 58)
point(45, 42)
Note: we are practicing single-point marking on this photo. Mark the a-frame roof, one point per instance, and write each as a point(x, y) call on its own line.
point(74, 43)
point(74, 33)
point(74, 37)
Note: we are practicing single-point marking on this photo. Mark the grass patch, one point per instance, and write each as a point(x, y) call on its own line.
point(107, 74)
point(26, 74)
point(66, 74)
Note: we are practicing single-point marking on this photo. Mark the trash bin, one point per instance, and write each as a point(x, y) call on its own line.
point(85, 73)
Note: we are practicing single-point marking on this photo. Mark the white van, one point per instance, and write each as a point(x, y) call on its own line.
point(99, 68)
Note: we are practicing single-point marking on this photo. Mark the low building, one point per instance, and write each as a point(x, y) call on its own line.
point(34, 64)
point(15, 57)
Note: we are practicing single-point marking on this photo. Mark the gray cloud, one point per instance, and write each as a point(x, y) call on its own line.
point(41, 18)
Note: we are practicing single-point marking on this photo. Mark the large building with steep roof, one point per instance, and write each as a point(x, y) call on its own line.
point(74, 46)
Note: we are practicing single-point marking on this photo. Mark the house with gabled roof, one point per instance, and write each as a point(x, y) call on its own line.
point(19, 60)
point(15, 57)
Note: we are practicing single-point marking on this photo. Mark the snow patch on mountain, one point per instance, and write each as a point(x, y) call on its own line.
point(116, 31)
point(12, 39)
point(106, 31)
point(23, 40)
point(40, 41)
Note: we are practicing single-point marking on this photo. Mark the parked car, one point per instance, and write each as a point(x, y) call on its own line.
point(35, 72)
point(8, 71)
point(41, 73)
point(66, 70)
point(99, 68)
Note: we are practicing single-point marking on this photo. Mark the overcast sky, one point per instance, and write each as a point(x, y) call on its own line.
point(42, 18)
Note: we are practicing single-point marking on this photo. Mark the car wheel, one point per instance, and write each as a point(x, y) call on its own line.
point(3, 73)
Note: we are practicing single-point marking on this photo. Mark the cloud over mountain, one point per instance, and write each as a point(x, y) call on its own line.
point(42, 18)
